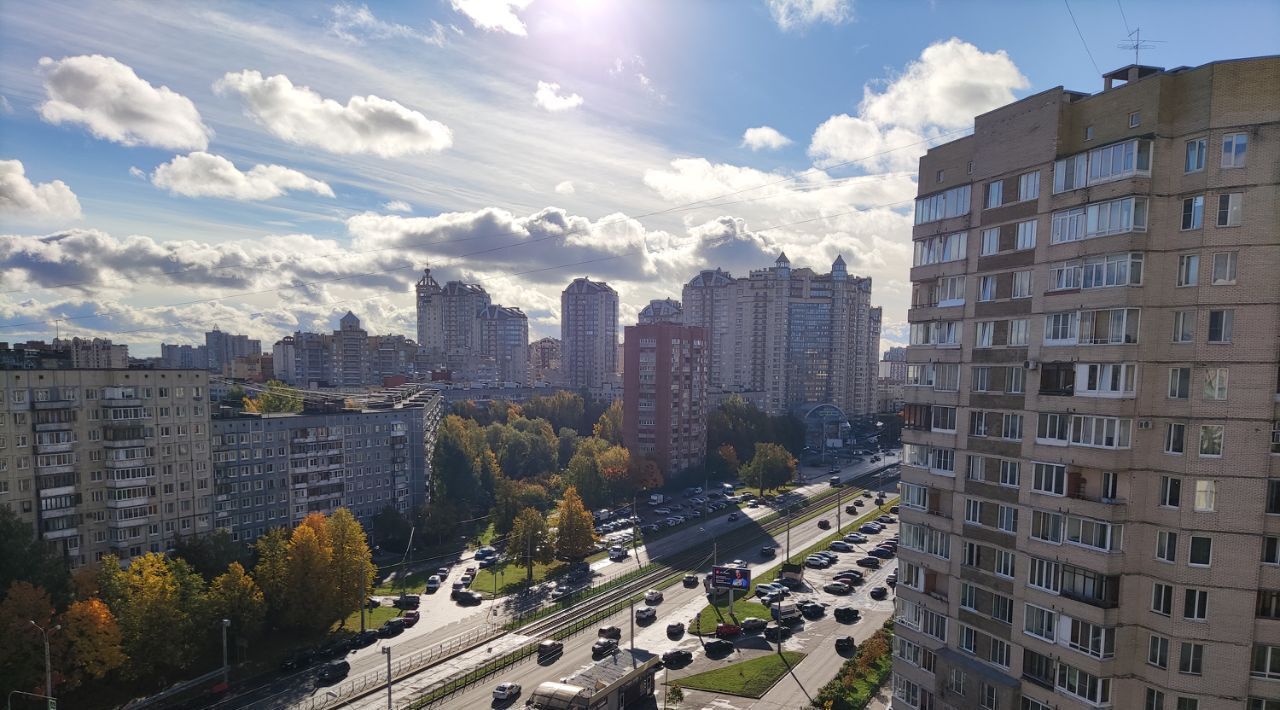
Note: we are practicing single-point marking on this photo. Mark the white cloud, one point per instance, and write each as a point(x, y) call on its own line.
point(367, 124)
point(494, 15)
point(352, 23)
point(548, 97)
point(844, 138)
point(45, 202)
point(565, 188)
point(202, 174)
point(5, 106)
point(764, 138)
point(796, 14)
point(397, 206)
point(137, 172)
point(109, 99)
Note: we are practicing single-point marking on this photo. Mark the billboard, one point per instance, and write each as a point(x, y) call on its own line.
point(731, 578)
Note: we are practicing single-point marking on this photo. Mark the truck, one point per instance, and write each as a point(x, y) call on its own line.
point(658, 499)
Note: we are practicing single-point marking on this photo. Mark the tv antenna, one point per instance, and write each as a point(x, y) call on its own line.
point(1137, 43)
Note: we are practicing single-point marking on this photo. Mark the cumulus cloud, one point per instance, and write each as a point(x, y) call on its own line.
point(397, 206)
point(366, 124)
point(565, 188)
point(764, 138)
point(494, 15)
point(941, 91)
point(548, 97)
point(201, 174)
point(43, 202)
point(356, 23)
point(114, 103)
point(797, 14)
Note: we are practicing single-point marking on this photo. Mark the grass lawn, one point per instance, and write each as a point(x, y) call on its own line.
point(373, 618)
point(751, 679)
point(718, 613)
point(511, 577)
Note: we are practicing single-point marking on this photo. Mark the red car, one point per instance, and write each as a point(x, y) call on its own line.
point(726, 630)
point(411, 618)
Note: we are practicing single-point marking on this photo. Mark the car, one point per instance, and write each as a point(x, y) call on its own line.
point(653, 596)
point(887, 519)
point(855, 538)
point(560, 593)
point(893, 509)
point(753, 504)
point(646, 615)
point(550, 648)
point(362, 639)
point(837, 588)
point(883, 553)
point(695, 513)
point(333, 672)
point(466, 580)
point(407, 601)
point(845, 644)
point(470, 598)
point(411, 618)
point(771, 598)
point(506, 691)
point(675, 629)
point(488, 562)
point(673, 522)
point(603, 647)
point(868, 562)
point(857, 504)
point(732, 517)
point(847, 614)
point(869, 528)
point(662, 511)
point(816, 562)
point(766, 589)
point(433, 583)
point(298, 661)
point(727, 630)
point(866, 494)
point(677, 657)
point(791, 582)
point(690, 581)
point(741, 564)
point(774, 631)
point(372, 603)
point(828, 555)
point(609, 632)
point(824, 524)
point(811, 610)
point(442, 572)
point(753, 624)
point(470, 571)
point(892, 580)
point(718, 647)
point(840, 546)
point(875, 458)
point(852, 573)
point(768, 551)
point(650, 528)
point(879, 593)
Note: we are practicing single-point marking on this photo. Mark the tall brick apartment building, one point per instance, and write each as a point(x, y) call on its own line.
point(1091, 479)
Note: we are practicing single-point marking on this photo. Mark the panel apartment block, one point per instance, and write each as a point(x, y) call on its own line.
point(1091, 478)
point(664, 405)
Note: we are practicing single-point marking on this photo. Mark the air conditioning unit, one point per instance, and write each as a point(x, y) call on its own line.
point(1144, 424)
point(1030, 364)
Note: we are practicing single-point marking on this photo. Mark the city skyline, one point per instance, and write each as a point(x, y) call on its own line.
point(320, 226)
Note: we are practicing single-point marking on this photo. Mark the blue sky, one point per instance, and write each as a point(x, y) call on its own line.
point(168, 167)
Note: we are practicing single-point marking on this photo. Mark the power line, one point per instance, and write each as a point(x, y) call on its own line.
point(1086, 44)
point(1122, 17)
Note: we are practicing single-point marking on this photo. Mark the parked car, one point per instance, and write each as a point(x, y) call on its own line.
point(407, 601)
point(603, 646)
point(893, 509)
point(887, 519)
point(845, 644)
point(837, 588)
point(466, 580)
point(718, 647)
point(869, 563)
point(433, 583)
point(727, 630)
point(506, 691)
point(840, 546)
point(690, 580)
point(411, 618)
point(653, 596)
point(298, 661)
point(812, 610)
point(442, 572)
point(774, 631)
point(646, 615)
point(609, 632)
point(855, 538)
point(851, 573)
point(677, 657)
point(662, 511)
point(791, 582)
point(816, 562)
point(847, 614)
point(372, 603)
point(333, 672)
point(675, 630)
point(879, 593)
point(363, 639)
point(753, 624)
point(883, 553)
point(869, 528)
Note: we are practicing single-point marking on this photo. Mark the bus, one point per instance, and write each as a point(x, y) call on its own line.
point(622, 680)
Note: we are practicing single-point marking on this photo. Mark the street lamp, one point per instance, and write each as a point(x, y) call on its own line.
point(48, 669)
point(226, 623)
point(386, 651)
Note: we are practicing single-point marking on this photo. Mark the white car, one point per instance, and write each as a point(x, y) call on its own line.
point(506, 691)
point(653, 596)
point(662, 511)
point(433, 582)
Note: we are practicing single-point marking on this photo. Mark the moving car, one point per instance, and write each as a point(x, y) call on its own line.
point(298, 661)
point(847, 614)
point(506, 691)
point(837, 588)
point(677, 657)
point(653, 596)
point(469, 598)
point(691, 580)
point(879, 593)
point(718, 647)
point(333, 672)
point(645, 615)
point(768, 551)
point(550, 648)
point(603, 646)
point(824, 524)
point(845, 644)
point(866, 494)
point(675, 629)
point(609, 632)
point(733, 517)
point(857, 504)
point(411, 618)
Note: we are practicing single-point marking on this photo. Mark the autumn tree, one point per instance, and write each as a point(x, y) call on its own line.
point(609, 426)
point(278, 397)
point(233, 595)
point(729, 456)
point(615, 467)
point(92, 642)
point(159, 605)
point(771, 467)
point(352, 570)
point(575, 529)
point(310, 597)
point(583, 472)
point(531, 540)
point(271, 572)
point(512, 496)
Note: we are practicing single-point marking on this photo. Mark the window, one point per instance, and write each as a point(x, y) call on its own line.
point(986, 334)
point(1188, 704)
point(1195, 604)
point(995, 194)
point(941, 176)
point(1167, 546)
point(940, 249)
point(1111, 270)
point(1043, 574)
point(1196, 150)
point(990, 241)
point(968, 597)
point(1011, 427)
point(1026, 235)
point(1155, 698)
point(968, 639)
point(1211, 439)
point(1193, 212)
point(1266, 662)
point(1015, 381)
point(1234, 147)
point(1184, 326)
point(981, 379)
point(955, 681)
point(1070, 173)
point(950, 291)
point(1268, 606)
point(1215, 383)
point(943, 205)
point(1007, 518)
point(1046, 526)
point(1271, 543)
point(1073, 681)
point(1088, 133)
point(972, 554)
point(1067, 226)
point(1206, 496)
point(1275, 437)
point(1127, 214)
point(1220, 323)
point(1105, 379)
point(973, 511)
point(987, 288)
point(1224, 268)
point(988, 699)
point(1002, 609)
point(1175, 438)
point(1107, 537)
point(1229, 209)
point(1029, 186)
point(1170, 492)
point(1064, 276)
point(1061, 327)
point(1040, 623)
point(1052, 428)
point(1162, 598)
point(1158, 651)
point(1179, 382)
point(1188, 267)
point(1190, 659)
point(1022, 282)
point(1262, 704)
point(1135, 119)
point(1101, 432)
point(1010, 472)
point(1201, 551)
point(1004, 563)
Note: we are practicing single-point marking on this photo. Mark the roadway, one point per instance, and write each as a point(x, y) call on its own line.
point(443, 621)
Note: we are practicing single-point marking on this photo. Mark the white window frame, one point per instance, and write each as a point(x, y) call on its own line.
point(1235, 149)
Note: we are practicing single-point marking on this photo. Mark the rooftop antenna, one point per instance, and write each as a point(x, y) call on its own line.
point(1137, 44)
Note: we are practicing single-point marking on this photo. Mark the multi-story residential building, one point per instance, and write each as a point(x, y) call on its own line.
point(589, 334)
point(348, 357)
point(789, 337)
point(390, 356)
point(273, 470)
point(447, 328)
point(664, 405)
point(504, 340)
point(350, 353)
point(184, 357)
point(94, 354)
point(894, 364)
point(666, 310)
point(107, 460)
point(544, 361)
point(222, 348)
point(1091, 475)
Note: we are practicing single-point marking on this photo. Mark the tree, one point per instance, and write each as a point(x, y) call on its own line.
point(234, 595)
point(271, 571)
point(279, 397)
point(729, 456)
point(562, 409)
point(771, 467)
point(531, 539)
point(575, 533)
point(391, 529)
point(157, 615)
point(567, 444)
point(614, 464)
point(25, 558)
point(210, 554)
point(22, 652)
point(351, 576)
point(512, 496)
point(92, 642)
point(310, 597)
point(609, 425)
point(583, 472)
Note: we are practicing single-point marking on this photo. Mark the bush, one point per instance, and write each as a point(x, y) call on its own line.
point(860, 676)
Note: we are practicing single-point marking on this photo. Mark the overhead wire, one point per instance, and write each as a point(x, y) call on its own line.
point(1078, 32)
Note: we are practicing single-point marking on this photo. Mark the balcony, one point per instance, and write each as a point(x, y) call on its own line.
point(123, 443)
point(55, 426)
point(54, 404)
point(121, 402)
point(60, 448)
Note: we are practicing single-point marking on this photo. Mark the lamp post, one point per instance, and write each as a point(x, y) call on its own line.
point(386, 651)
point(226, 623)
point(49, 668)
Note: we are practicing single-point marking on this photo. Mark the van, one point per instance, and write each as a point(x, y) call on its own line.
point(617, 552)
point(786, 612)
point(835, 480)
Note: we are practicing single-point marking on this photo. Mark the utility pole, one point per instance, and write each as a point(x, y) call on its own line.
point(386, 651)
point(48, 668)
point(633, 630)
point(788, 558)
point(778, 606)
point(226, 670)
point(839, 490)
